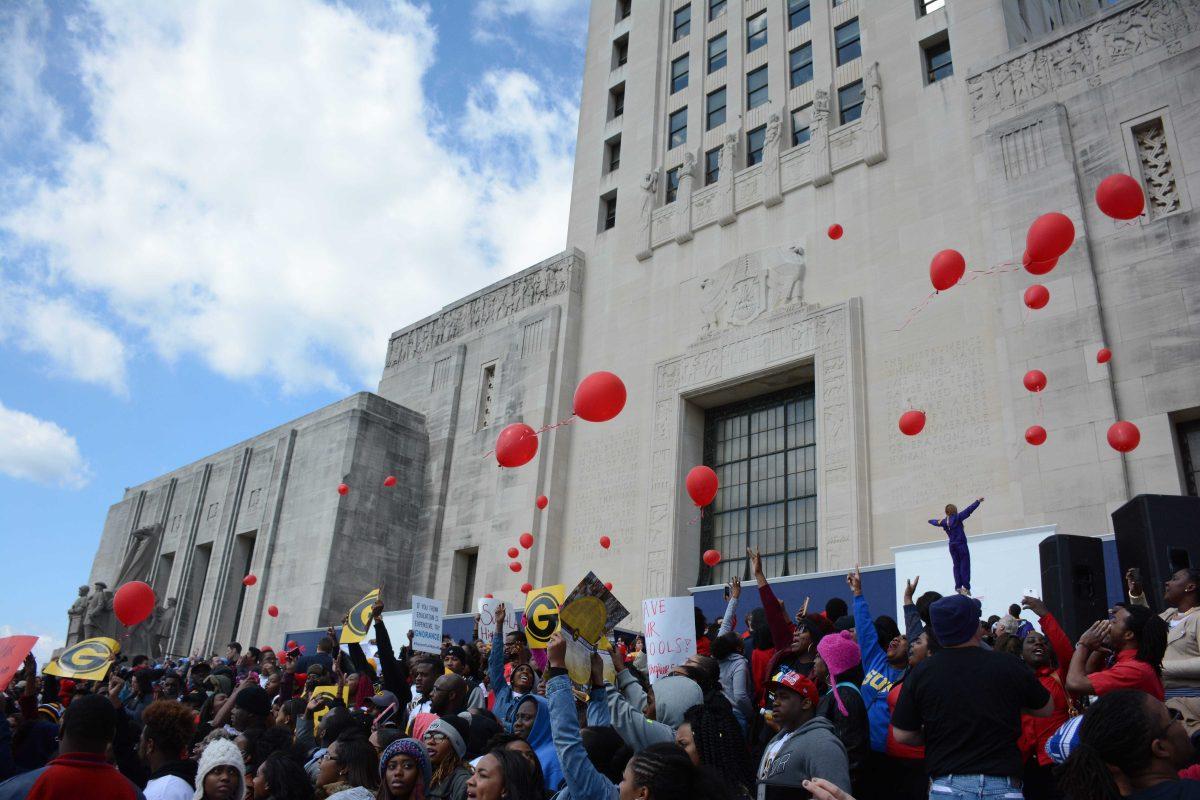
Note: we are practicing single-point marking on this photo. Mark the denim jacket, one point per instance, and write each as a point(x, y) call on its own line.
point(584, 781)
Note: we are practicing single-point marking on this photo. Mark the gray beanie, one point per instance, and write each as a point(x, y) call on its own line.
point(673, 695)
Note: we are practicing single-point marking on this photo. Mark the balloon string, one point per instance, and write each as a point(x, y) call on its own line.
point(540, 431)
point(917, 309)
point(696, 518)
point(1003, 266)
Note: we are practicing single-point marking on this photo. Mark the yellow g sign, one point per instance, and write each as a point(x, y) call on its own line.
point(541, 614)
point(88, 660)
point(358, 621)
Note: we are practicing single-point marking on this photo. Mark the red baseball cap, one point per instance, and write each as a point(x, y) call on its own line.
point(797, 683)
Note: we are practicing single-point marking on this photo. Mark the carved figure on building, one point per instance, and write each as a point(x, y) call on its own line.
point(649, 188)
point(772, 190)
point(75, 616)
point(747, 287)
point(874, 149)
point(683, 198)
point(98, 619)
point(139, 554)
point(818, 148)
point(159, 627)
point(726, 212)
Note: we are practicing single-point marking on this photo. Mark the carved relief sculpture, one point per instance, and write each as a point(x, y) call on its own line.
point(159, 627)
point(874, 149)
point(75, 617)
point(1158, 172)
point(745, 288)
point(772, 189)
point(646, 219)
point(818, 148)
point(728, 166)
point(683, 199)
point(98, 619)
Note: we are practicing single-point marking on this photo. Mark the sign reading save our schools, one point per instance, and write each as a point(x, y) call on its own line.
point(427, 624)
point(486, 608)
point(541, 614)
point(670, 633)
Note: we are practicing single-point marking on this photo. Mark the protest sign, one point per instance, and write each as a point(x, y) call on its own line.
point(541, 614)
point(358, 620)
point(13, 650)
point(427, 625)
point(670, 633)
point(591, 610)
point(486, 608)
point(88, 660)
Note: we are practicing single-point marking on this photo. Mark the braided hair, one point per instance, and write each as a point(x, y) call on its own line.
point(667, 773)
point(1151, 632)
point(1117, 730)
point(719, 740)
point(519, 777)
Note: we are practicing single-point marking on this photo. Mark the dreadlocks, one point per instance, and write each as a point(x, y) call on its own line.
point(1117, 730)
point(667, 772)
point(1151, 633)
point(719, 740)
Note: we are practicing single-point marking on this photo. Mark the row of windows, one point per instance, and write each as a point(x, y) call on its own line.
point(798, 11)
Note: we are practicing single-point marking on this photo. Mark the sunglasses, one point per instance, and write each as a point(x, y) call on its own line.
point(435, 737)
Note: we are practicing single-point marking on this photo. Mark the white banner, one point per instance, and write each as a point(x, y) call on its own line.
point(486, 607)
point(670, 633)
point(427, 625)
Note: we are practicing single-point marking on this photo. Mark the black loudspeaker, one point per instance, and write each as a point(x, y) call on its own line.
point(1159, 534)
point(1073, 586)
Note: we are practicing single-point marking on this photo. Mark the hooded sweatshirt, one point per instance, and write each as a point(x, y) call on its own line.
point(673, 695)
point(811, 751)
point(879, 675)
point(175, 780)
point(71, 775)
point(541, 739)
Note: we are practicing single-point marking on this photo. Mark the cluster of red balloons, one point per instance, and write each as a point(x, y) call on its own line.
point(598, 398)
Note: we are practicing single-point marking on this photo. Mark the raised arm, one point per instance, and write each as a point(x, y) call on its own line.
point(969, 510)
point(1060, 643)
point(781, 630)
point(913, 626)
point(495, 665)
point(735, 594)
point(1133, 586)
point(864, 626)
point(1077, 677)
point(392, 672)
point(583, 780)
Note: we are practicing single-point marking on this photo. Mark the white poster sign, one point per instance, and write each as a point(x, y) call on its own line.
point(486, 607)
point(670, 633)
point(427, 625)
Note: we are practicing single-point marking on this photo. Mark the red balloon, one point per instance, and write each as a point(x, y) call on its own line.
point(273, 611)
point(527, 540)
point(1038, 267)
point(543, 501)
point(1037, 296)
point(1120, 196)
point(390, 480)
point(1124, 436)
point(946, 269)
point(712, 557)
point(702, 485)
point(599, 397)
point(133, 602)
point(608, 586)
point(1034, 380)
point(513, 552)
point(1035, 435)
point(605, 542)
point(515, 566)
point(835, 231)
point(249, 580)
point(516, 445)
point(526, 588)
point(1049, 236)
point(291, 645)
point(1103, 355)
point(488, 596)
point(343, 488)
point(912, 422)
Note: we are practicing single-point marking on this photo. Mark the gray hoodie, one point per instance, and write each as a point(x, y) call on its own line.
point(673, 695)
point(812, 751)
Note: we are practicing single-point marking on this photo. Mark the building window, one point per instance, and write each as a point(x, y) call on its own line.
point(677, 125)
point(754, 145)
point(715, 8)
point(613, 161)
point(621, 51)
point(672, 184)
point(1160, 178)
point(926, 6)
point(1189, 451)
point(716, 109)
point(850, 100)
point(712, 166)
point(756, 31)
point(764, 453)
point(624, 9)
point(716, 53)
point(799, 12)
point(800, 62)
point(487, 394)
point(462, 581)
point(800, 121)
point(846, 40)
point(679, 74)
point(682, 23)
point(616, 101)
point(608, 211)
point(756, 88)
point(937, 61)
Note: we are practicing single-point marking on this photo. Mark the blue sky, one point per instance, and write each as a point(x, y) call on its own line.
point(212, 215)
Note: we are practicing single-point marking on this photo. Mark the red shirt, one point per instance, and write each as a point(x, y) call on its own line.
point(1036, 730)
point(894, 748)
point(1127, 673)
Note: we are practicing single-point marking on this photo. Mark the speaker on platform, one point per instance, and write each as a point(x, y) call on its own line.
point(1159, 534)
point(1073, 586)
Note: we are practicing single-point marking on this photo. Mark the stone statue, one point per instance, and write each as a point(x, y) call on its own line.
point(75, 616)
point(786, 277)
point(160, 625)
point(818, 148)
point(683, 198)
point(139, 555)
point(874, 149)
point(646, 220)
point(98, 618)
point(772, 189)
point(727, 213)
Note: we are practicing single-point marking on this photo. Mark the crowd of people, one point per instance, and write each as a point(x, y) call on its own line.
point(835, 703)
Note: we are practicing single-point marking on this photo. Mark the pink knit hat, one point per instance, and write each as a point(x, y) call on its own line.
point(840, 653)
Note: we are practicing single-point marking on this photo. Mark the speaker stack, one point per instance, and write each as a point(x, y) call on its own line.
point(1159, 534)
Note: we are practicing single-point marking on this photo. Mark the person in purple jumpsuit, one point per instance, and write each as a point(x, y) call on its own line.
point(952, 523)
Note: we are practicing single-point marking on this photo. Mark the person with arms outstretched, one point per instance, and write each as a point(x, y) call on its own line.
point(952, 523)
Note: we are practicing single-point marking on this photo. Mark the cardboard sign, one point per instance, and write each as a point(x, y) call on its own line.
point(591, 610)
point(486, 607)
point(88, 660)
point(358, 620)
point(670, 633)
point(427, 625)
point(13, 650)
point(541, 614)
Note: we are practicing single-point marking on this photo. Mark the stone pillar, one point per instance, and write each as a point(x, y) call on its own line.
point(818, 146)
point(683, 199)
point(874, 148)
point(772, 189)
point(646, 220)
point(727, 212)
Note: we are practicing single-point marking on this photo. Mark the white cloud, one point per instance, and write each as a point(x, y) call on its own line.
point(76, 343)
point(553, 19)
point(39, 450)
point(26, 109)
point(269, 190)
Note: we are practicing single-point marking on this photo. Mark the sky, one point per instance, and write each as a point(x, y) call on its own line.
point(212, 215)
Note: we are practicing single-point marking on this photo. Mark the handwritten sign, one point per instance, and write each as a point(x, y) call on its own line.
point(13, 650)
point(427, 625)
point(670, 633)
point(486, 606)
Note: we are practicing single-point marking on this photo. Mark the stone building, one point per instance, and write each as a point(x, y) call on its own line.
point(718, 142)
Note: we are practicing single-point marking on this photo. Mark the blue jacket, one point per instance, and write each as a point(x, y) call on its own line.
point(505, 702)
point(584, 781)
point(880, 675)
point(953, 526)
